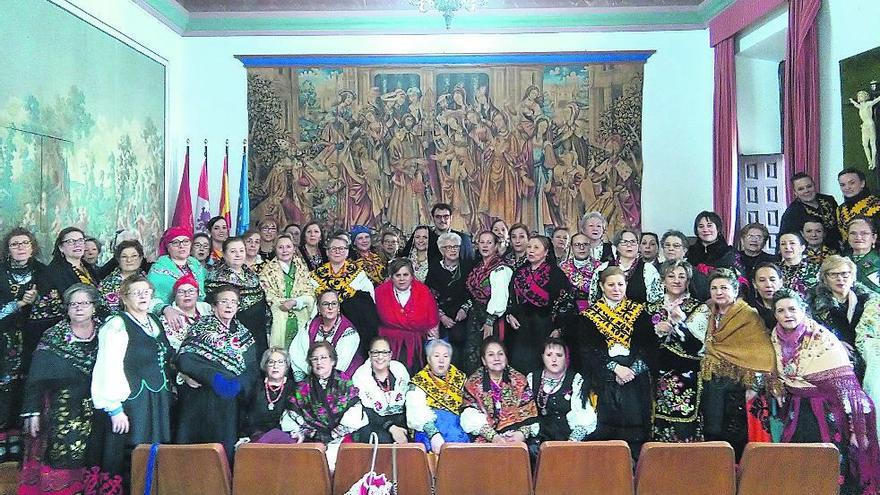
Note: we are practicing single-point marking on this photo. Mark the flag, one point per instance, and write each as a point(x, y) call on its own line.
point(183, 211)
point(203, 203)
point(224, 191)
point(243, 222)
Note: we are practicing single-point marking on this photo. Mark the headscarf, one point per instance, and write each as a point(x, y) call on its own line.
point(357, 230)
point(170, 234)
point(186, 279)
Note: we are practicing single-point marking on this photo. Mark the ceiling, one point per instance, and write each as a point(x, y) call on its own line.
point(329, 17)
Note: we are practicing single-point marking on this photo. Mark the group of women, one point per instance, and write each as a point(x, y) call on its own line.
point(288, 337)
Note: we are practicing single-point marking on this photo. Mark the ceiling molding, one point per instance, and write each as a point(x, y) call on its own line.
point(486, 21)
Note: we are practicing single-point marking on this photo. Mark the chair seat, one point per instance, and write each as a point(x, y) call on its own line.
point(483, 469)
point(585, 467)
point(273, 469)
point(790, 468)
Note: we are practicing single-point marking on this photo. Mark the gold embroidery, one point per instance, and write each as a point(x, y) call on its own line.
point(616, 324)
point(442, 393)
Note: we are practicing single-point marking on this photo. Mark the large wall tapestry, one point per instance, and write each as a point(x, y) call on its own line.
point(860, 91)
point(82, 128)
point(537, 139)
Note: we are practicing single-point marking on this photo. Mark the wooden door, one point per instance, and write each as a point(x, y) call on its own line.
point(761, 193)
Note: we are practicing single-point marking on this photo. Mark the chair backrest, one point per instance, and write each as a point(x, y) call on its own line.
point(481, 469)
point(275, 469)
point(183, 470)
point(584, 467)
point(705, 468)
point(9, 478)
point(413, 475)
point(789, 468)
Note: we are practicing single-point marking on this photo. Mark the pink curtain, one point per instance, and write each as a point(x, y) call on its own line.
point(724, 145)
point(801, 93)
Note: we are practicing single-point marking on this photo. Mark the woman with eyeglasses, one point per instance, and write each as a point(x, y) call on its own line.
point(175, 262)
point(580, 269)
point(268, 228)
point(253, 309)
point(19, 272)
point(446, 279)
point(267, 404)
point(862, 236)
point(252, 257)
point(674, 244)
point(643, 284)
point(131, 384)
point(408, 314)
point(128, 256)
point(186, 300)
point(352, 285)
point(57, 408)
point(218, 357)
point(325, 406)
point(290, 292)
point(382, 384)
point(330, 326)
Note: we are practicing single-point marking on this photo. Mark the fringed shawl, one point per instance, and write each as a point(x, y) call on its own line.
point(738, 347)
point(508, 405)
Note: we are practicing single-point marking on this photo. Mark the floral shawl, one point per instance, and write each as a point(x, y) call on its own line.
point(801, 277)
point(530, 285)
point(109, 288)
point(478, 279)
point(372, 396)
point(280, 286)
point(581, 279)
point(211, 340)
point(321, 409)
point(442, 393)
point(737, 346)
point(507, 406)
point(59, 339)
point(248, 284)
point(696, 320)
point(339, 281)
point(817, 256)
point(615, 324)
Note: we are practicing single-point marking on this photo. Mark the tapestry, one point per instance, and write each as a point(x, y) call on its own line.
point(376, 142)
point(860, 92)
point(82, 129)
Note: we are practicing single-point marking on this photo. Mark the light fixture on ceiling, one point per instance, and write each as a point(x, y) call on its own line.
point(447, 7)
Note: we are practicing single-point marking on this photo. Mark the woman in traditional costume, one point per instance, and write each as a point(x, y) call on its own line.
point(499, 406)
point(766, 280)
point(382, 384)
point(643, 282)
point(218, 229)
point(290, 292)
point(129, 255)
point(408, 314)
point(371, 262)
point(515, 257)
point(174, 263)
point(186, 300)
point(218, 357)
point(488, 286)
point(446, 279)
point(798, 272)
point(433, 403)
point(312, 245)
point(58, 402)
point(823, 399)
point(711, 251)
point(252, 244)
point(325, 406)
point(419, 252)
point(536, 290)
point(862, 237)
point(332, 327)
point(580, 269)
point(680, 323)
point(267, 404)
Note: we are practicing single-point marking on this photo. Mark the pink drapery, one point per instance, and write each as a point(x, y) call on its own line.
point(724, 145)
point(801, 91)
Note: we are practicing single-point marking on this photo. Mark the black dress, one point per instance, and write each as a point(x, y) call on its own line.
point(797, 213)
point(253, 311)
point(704, 259)
point(259, 419)
point(448, 287)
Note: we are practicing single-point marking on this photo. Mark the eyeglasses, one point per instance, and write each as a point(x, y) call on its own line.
point(755, 237)
point(187, 292)
point(452, 247)
point(133, 257)
point(380, 353)
point(842, 275)
point(180, 242)
point(269, 229)
point(140, 293)
point(318, 359)
point(74, 242)
point(628, 242)
point(19, 244)
point(580, 245)
point(80, 304)
point(275, 362)
point(227, 302)
point(861, 234)
point(673, 245)
point(329, 304)
point(337, 249)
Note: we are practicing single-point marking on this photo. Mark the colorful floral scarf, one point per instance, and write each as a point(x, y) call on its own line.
point(478, 279)
point(529, 285)
point(59, 340)
point(248, 284)
point(442, 393)
point(213, 341)
point(322, 408)
point(340, 281)
point(508, 405)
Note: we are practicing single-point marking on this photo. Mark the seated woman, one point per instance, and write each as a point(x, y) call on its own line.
point(57, 403)
point(290, 292)
point(433, 403)
point(498, 403)
point(382, 384)
point(824, 402)
point(325, 406)
point(263, 422)
point(408, 314)
point(219, 358)
point(331, 327)
point(186, 300)
point(562, 399)
point(128, 255)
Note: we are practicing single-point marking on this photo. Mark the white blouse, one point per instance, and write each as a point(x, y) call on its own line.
point(582, 417)
point(346, 348)
point(384, 403)
point(499, 281)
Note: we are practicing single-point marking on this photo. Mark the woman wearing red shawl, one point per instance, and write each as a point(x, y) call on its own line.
point(824, 401)
point(487, 285)
point(407, 314)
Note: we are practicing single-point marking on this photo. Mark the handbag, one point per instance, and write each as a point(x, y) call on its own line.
point(373, 483)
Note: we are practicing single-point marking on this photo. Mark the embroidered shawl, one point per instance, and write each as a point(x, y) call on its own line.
point(384, 403)
point(339, 281)
point(109, 288)
point(59, 340)
point(248, 284)
point(615, 324)
point(210, 339)
point(696, 319)
point(738, 347)
point(530, 285)
point(508, 405)
point(442, 393)
point(321, 409)
point(373, 265)
point(801, 277)
point(478, 279)
point(866, 204)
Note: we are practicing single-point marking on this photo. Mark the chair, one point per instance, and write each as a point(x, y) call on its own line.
point(9, 478)
point(705, 468)
point(273, 469)
point(584, 467)
point(483, 469)
point(789, 468)
point(413, 475)
point(195, 469)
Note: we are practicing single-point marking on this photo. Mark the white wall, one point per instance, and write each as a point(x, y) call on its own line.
point(846, 28)
point(677, 115)
point(757, 106)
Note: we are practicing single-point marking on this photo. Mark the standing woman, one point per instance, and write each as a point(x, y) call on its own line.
point(674, 244)
point(382, 384)
point(798, 273)
point(371, 262)
point(649, 248)
point(593, 225)
point(823, 399)
point(130, 384)
point(58, 405)
point(710, 252)
point(252, 244)
point(312, 245)
point(332, 327)
point(446, 279)
point(515, 257)
point(218, 229)
point(129, 255)
point(419, 253)
point(268, 236)
point(219, 358)
point(408, 314)
point(290, 292)
point(19, 272)
point(767, 279)
point(488, 286)
point(535, 291)
point(580, 270)
point(201, 248)
point(738, 360)
point(862, 236)
point(616, 346)
point(500, 229)
point(680, 323)
point(643, 284)
point(253, 310)
point(174, 263)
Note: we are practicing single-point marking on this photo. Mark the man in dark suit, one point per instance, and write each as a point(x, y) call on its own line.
point(442, 216)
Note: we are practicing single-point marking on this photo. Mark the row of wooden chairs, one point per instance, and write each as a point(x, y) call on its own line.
point(481, 469)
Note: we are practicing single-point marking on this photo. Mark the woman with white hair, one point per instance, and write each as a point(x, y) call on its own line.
point(593, 225)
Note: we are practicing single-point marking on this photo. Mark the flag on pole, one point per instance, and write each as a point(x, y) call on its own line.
point(183, 211)
point(203, 203)
point(224, 190)
point(243, 222)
